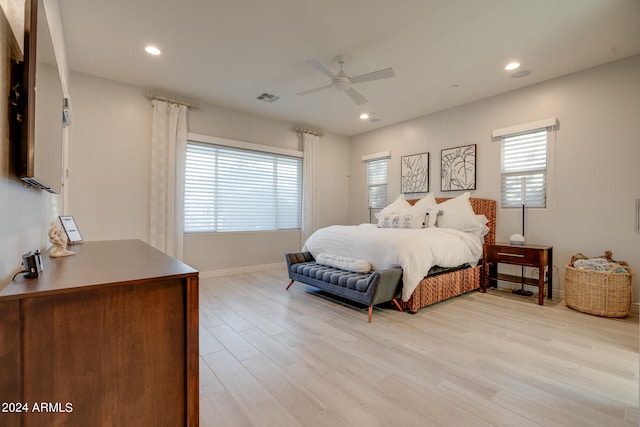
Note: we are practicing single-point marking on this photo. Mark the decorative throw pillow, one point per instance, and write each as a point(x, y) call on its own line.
point(407, 218)
point(344, 263)
point(432, 217)
point(458, 214)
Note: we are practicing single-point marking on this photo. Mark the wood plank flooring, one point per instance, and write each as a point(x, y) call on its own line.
point(270, 357)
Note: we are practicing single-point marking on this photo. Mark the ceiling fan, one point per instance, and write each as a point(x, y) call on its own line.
point(343, 82)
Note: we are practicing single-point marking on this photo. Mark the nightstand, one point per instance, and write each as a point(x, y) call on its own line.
point(524, 255)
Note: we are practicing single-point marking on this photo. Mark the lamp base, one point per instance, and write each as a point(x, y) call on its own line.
point(522, 292)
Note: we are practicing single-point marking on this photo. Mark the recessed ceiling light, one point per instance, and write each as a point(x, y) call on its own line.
point(152, 50)
point(364, 116)
point(512, 66)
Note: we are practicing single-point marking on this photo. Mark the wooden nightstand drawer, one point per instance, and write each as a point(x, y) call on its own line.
point(537, 256)
point(513, 255)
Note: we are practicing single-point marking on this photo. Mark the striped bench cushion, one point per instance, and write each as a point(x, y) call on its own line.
point(335, 276)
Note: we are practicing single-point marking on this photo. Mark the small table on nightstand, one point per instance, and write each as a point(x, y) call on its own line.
point(524, 255)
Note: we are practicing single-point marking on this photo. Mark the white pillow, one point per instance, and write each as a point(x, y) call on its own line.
point(426, 202)
point(423, 205)
point(482, 229)
point(344, 263)
point(406, 218)
point(432, 217)
point(458, 214)
point(397, 205)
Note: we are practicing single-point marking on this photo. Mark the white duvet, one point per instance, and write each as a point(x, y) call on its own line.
point(415, 250)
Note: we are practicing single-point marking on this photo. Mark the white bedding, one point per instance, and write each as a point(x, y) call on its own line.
point(415, 250)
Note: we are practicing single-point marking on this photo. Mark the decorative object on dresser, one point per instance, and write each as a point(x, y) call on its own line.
point(414, 171)
point(458, 168)
point(59, 240)
point(599, 285)
point(521, 255)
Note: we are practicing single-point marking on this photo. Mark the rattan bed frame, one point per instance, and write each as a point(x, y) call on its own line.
point(433, 289)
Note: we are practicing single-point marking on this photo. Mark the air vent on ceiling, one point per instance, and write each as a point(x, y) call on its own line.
point(267, 97)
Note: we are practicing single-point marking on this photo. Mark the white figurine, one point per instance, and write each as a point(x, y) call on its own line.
point(59, 240)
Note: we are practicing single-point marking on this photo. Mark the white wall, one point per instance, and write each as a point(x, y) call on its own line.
point(597, 152)
point(109, 142)
point(109, 173)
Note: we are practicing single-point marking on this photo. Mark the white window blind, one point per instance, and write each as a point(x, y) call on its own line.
point(524, 169)
point(377, 183)
point(231, 189)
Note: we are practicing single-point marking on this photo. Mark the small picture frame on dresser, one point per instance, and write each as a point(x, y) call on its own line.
point(71, 229)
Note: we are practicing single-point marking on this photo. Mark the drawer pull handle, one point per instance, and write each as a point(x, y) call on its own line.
point(512, 255)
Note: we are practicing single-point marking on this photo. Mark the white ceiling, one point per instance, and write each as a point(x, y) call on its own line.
point(444, 52)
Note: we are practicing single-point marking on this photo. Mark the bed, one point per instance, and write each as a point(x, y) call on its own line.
point(443, 284)
point(438, 262)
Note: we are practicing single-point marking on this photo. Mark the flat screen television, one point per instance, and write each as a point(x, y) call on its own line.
point(36, 106)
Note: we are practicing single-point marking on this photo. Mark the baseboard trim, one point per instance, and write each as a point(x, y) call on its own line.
point(241, 270)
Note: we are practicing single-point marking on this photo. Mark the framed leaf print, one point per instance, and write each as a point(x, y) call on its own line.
point(458, 168)
point(414, 172)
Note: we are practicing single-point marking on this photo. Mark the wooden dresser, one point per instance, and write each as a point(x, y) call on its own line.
point(106, 337)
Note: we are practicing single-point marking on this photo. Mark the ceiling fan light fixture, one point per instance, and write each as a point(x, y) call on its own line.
point(341, 84)
point(364, 116)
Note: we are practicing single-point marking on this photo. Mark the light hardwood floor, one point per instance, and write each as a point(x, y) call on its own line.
point(271, 357)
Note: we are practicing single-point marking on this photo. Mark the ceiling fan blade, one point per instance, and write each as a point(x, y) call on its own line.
point(356, 96)
point(375, 75)
point(310, 91)
point(324, 70)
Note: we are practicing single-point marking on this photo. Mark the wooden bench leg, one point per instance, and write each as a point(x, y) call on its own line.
point(395, 302)
point(370, 313)
point(290, 283)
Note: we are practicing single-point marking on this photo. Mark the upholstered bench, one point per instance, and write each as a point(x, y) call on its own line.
point(372, 288)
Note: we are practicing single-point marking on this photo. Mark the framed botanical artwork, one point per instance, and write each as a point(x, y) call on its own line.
point(458, 168)
point(414, 172)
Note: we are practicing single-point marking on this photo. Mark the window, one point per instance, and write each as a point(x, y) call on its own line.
point(524, 169)
point(377, 183)
point(235, 189)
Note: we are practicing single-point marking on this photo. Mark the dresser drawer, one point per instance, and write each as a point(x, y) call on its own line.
point(513, 255)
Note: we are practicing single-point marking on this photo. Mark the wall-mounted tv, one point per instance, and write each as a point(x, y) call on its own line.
point(36, 106)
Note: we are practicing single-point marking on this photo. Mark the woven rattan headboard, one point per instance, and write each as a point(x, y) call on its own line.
point(486, 207)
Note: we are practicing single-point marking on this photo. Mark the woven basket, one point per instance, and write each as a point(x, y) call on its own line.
point(596, 292)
